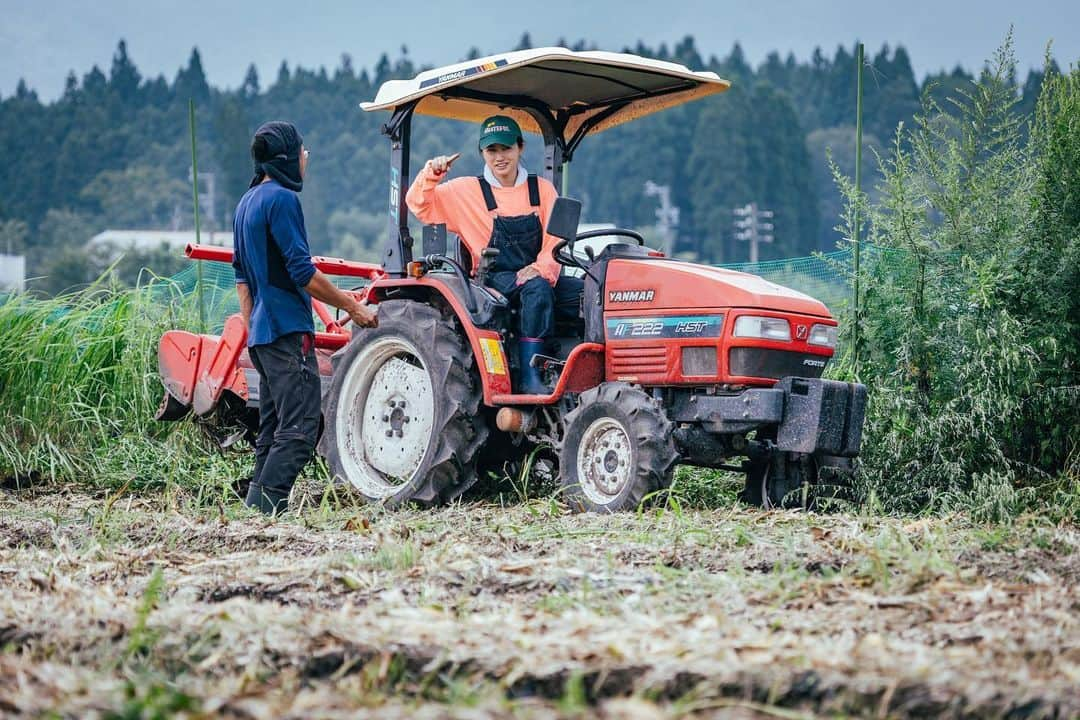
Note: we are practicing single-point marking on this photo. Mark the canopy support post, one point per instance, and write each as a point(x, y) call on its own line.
point(398, 251)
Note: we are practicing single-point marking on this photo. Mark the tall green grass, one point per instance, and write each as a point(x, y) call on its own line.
point(79, 388)
point(970, 345)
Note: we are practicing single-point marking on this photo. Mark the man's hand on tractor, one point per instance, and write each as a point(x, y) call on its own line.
point(441, 165)
point(320, 288)
point(526, 274)
point(363, 314)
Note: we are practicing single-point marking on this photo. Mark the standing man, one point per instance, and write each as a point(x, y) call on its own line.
point(276, 279)
point(505, 208)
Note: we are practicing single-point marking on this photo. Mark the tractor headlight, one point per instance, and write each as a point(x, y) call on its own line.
point(766, 328)
point(823, 335)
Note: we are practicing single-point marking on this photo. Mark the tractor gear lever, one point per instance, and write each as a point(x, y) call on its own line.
point(488, 256)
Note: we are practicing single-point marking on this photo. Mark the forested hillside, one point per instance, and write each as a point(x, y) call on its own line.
point(113, 152)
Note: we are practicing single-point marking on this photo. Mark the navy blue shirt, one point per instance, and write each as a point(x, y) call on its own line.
point(270, 255)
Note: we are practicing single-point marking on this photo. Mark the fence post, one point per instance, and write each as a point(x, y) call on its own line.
point(195, 195)
point(858, 199)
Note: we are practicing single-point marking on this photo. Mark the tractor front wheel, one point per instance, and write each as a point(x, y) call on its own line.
point(402, 422)
point(618, 449)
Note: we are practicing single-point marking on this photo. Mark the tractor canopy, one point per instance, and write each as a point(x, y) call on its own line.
point(577, 93)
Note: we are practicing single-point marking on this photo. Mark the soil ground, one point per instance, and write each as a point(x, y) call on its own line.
point(127, 606)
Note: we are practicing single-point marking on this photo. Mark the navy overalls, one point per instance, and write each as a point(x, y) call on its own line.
point(518, 240)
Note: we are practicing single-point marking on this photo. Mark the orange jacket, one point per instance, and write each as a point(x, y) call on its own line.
point(459, 204)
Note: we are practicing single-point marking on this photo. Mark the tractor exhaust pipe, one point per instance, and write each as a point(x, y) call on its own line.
point(515, 420)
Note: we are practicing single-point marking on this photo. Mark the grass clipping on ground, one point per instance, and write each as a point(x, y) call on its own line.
point(148, 605)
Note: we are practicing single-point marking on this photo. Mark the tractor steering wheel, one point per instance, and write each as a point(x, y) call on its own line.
point(564, 258)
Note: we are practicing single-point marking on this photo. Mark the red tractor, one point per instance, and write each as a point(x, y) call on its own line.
point(668, 362)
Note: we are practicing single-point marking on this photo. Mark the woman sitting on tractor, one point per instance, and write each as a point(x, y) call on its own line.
point(505, 208)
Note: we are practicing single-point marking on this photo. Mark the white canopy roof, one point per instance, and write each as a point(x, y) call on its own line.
point(576, 85)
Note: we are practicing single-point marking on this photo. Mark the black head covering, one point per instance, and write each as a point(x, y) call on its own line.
point(276, 152)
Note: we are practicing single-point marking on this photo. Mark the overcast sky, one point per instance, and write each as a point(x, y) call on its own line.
point(42, 40)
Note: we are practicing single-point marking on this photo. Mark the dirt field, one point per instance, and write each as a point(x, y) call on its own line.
point(140, 605)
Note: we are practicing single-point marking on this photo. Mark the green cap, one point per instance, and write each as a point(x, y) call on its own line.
point(499, 130)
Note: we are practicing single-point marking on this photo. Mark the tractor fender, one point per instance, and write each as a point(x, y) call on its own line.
point(486, 345)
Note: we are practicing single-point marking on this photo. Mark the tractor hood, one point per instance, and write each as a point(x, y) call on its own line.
point(633, 284)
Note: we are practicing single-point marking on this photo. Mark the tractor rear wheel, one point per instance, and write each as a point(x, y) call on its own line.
point(826, 477)
point(619, 449)
point(402, 421)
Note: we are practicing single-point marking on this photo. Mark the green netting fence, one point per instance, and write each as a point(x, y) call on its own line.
point(825, 276)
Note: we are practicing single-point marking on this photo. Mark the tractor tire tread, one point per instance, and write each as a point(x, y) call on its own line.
point(457, 434)
point(655, 451)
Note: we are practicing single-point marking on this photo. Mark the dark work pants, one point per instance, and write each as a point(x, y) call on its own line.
point(537, 302)
point(289, 408)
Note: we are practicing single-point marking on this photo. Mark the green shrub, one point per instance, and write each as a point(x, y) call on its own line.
point(968, 326)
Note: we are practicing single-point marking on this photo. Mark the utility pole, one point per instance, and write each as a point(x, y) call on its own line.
point(667, 215)
point(751, 226)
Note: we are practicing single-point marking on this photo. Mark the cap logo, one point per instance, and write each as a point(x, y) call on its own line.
point(496, 128)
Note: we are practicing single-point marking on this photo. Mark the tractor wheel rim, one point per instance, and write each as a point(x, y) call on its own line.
point(603, 460)
point(385, 417)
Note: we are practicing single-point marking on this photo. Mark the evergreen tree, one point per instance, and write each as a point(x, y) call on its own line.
point(157, 92)
point(124, 79)
point(233, 132)
point(24, 93)
point(191, 81)
point(687, 54)
point(345, 71)
point(250, 87)
point(71, 86)
point(736, 67)
point(383, 70)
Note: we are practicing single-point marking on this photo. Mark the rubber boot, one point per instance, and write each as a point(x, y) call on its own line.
point(266, 500)
point(530, 382)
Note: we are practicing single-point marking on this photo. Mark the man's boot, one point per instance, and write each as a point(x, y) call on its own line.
point(266, 500)
point(530, 382)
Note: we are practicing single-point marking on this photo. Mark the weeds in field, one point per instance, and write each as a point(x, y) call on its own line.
point(574, 700)
point(394, 557)
point(969, 330)
point(141, 639)
point(155, 701)
point(79, 384)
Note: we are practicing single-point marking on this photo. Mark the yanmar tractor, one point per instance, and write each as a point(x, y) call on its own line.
point(668, 361)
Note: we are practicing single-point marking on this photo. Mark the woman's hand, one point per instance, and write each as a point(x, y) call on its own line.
point(441, 165)
point(526, 274)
